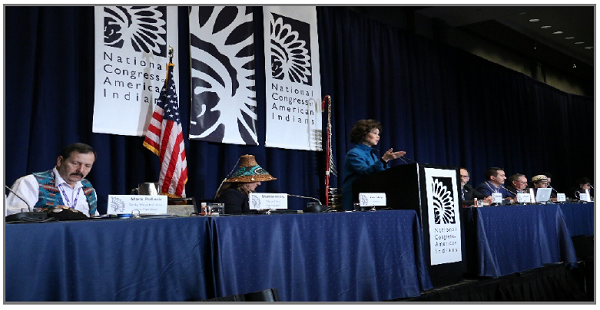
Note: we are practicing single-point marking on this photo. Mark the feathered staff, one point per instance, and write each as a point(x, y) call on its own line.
point(329, 163)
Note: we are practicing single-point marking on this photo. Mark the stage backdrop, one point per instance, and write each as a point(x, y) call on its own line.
point(131, 46)
point(441, 105)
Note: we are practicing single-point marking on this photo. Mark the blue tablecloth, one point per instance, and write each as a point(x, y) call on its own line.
point(107, 260)
point(306, 257)
point(517, 238)
point(579, 218)
point(364, 256)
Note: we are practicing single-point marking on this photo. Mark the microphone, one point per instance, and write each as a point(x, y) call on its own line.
point(414, 162)
point(508, 190)
point(314, 209)
point(591, 186)
point(553, 189)
point(10, 189)
point(319, 201)
point(38, 217)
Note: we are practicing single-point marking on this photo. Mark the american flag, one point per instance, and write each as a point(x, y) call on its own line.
point(164, 138)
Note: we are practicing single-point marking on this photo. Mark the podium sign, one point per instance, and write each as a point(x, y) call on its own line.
point(410, 187)
point(444, 225)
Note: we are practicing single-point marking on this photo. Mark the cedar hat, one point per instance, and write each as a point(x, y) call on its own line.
point(539, 178)
point(250, 171)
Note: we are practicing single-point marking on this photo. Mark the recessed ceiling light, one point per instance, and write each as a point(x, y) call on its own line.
point(546, 27)
point(522, 13)
point(589, 47)
point(534, 20)
point(557, 32)
point(580, 42)
point(569, 38)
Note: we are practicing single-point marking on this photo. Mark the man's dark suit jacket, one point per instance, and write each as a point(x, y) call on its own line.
point(470, 195)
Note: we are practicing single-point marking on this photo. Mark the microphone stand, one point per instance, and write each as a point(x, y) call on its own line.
point(317, 208)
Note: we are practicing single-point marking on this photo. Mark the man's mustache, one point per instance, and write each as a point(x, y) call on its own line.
point(77, 173)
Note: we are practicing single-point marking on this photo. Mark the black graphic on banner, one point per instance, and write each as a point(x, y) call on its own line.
point(290, 50)
point(138, 26)
point(223, 87)
point(443, 201)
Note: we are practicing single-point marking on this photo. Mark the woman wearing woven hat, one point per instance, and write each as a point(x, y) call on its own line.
point(363, 158)
point(234, 194)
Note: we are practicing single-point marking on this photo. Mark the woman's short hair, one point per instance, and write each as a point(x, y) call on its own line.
point(362, 128)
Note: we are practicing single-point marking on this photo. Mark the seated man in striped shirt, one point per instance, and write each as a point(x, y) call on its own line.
point(64, 186)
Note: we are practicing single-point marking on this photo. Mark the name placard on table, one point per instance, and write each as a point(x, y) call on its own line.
point(145, 204)
point(268, 201)
point(372, 199)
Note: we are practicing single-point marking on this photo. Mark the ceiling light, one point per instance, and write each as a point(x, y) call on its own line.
point(546, 27)
point(589, 47)
point(574, 66)
point(534, 20)
point(569, 38)
point(580, 42)
point(557, 32)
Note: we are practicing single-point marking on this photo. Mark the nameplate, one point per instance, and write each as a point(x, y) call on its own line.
point(268, 201)
point(584, 197)
point(496, 197)
point(372, 199)
point(523, 198)
point(561, 197)
point(145, 204)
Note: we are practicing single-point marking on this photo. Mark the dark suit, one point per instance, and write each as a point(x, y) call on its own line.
point(469, 195)
point(235, 201)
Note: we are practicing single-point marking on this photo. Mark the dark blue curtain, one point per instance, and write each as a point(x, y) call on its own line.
point(441, 105)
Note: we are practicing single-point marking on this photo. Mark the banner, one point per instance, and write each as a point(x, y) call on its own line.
point(131, 44)
point(444, 216)
point(223, 75)
point(293, 80)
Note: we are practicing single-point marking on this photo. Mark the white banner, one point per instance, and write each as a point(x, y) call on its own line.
point(131, 46)
point(293, 78)
point(223, 75)
point(444, 216)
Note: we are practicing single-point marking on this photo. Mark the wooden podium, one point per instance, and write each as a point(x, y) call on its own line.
point(432, 191)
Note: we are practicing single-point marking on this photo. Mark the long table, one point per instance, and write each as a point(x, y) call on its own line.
point(579, 218)
point(515, 238)
point(107, 260)
point(368, 256)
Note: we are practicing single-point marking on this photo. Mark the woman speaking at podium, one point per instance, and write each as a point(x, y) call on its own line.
point(364, 159)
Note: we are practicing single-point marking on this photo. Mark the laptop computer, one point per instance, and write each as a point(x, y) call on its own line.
point(542, 195)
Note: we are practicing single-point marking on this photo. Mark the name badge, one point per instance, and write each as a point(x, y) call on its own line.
point(268, 201)
point(523, 198)
point(561, 197)
point(496, 197)
point(372, 199)
point(145, 204)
